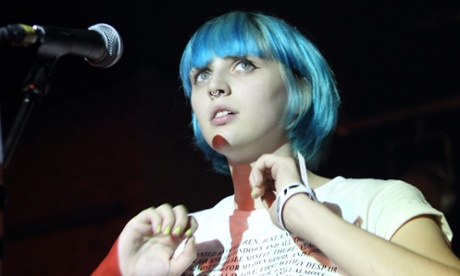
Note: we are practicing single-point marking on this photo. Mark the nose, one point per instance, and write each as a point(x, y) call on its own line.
point(218, 86)
point(217, 93)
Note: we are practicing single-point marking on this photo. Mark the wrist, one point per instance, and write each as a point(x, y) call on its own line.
point(296, 213)
point(287, 195)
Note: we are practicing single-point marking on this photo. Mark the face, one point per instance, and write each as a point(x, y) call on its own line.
point(244, 119)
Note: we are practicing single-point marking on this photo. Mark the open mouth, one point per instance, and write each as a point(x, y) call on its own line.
point(222, 113)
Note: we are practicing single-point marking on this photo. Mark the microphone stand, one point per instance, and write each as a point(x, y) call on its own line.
point(35, 88)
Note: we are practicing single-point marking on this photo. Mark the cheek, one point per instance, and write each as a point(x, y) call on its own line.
point(197, 108)
point(276, 100)
point(200, 113)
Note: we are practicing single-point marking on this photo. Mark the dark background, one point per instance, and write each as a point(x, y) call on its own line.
point(107, 143)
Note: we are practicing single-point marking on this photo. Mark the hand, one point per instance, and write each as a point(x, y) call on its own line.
point(149, 240)
point(270, 173)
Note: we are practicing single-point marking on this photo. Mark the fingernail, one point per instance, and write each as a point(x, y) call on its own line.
point(188, 233)
point(177, 230)
point(253, 193)
point(158, 231)
point(167, 230)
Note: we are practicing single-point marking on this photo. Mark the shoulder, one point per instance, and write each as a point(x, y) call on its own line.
point(384, 205)
point(368, 188)
point(375, 195)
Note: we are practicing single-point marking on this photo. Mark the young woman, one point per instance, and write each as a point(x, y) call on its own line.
point(264, 106)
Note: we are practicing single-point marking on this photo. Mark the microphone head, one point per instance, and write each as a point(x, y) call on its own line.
point(113, 45)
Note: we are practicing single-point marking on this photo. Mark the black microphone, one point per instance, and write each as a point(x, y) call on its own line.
point(100, 45)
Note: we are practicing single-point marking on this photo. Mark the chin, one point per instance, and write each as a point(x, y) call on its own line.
point(219, 143)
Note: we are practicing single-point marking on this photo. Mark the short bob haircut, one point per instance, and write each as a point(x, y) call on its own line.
point(313, 99)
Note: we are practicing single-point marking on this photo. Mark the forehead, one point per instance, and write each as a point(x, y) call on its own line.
point(216, 61)
point(225, 40)
point(204, 55)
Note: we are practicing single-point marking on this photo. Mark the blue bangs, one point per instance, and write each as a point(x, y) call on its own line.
point(231, 35)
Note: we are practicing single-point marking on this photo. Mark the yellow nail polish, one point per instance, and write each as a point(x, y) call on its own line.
point(253, 193)
point(167, 230)
point(188, 233)
point(158, 230)
point(177, 230)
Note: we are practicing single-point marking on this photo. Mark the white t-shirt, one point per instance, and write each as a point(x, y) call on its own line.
point(234, 242)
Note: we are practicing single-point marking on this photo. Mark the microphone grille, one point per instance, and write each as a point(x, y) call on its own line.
point(113, 44)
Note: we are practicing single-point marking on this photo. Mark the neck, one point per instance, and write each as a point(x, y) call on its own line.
point(240, 177)
point(242, 189)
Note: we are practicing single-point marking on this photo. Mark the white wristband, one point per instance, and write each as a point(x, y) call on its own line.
point(285, 194)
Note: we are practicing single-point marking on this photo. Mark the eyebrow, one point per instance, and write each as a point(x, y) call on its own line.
point(207, 66)
point(195, 70)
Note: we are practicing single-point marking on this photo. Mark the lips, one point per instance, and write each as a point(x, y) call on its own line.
point(222, 115)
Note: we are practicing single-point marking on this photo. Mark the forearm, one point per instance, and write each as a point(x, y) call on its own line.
point(353, 249)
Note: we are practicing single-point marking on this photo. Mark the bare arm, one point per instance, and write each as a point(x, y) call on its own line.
point(417, 248)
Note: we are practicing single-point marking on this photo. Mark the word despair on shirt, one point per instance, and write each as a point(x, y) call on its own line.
point(282, 254)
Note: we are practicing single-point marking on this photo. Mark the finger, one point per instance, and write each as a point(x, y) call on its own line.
point(258, 172)
point(168, 218)
point(144, 223)
point(258, 178)
point(261, 178)
point(137, 230)
point(191, 227)
point(185, 258)
point(181, 220)
point(282, 169)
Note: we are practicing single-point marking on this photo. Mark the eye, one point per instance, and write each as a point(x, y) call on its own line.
point(201, 76)
point(245, 65)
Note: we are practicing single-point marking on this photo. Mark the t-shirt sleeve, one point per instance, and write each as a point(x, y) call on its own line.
point(398, 203)
point(109, 266)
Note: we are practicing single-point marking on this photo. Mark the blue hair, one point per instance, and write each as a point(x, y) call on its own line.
point(313, 99)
